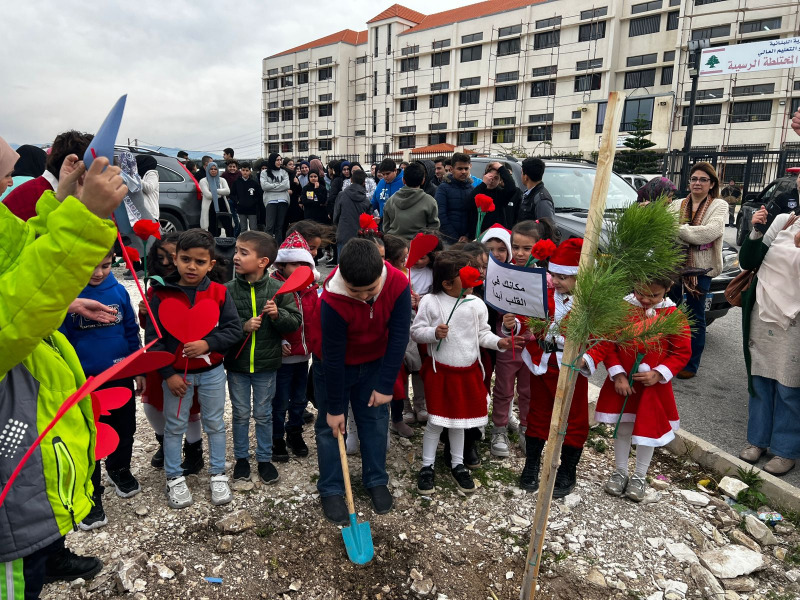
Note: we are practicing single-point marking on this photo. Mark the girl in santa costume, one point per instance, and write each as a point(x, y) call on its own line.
point(642, 373)
point(543, 358)
point(452, 370)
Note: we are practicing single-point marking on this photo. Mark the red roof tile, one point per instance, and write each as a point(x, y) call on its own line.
point(470, 11)
point(396, 10)
point(346, 36)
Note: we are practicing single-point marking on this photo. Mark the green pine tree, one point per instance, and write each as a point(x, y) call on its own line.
point(638, 159)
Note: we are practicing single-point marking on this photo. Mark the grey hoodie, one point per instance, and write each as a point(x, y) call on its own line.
point(409, 211)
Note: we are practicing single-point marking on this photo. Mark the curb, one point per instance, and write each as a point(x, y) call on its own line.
point(785, 495)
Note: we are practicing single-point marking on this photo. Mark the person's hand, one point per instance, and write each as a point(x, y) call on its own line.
point(496, 165)
point(176, 385)
point(797, 239)
point(463, 238)
point(286, 350)
point(336, 423)
point(142, 308)
point(488, 178)
point(252, 325)
point(93, 310)
point(648, 378)
point(139, 380)
point(414, 300)
point(102, 190)
point(796, 122)
point(377, 399)
point(70, 178)
point(621, 385)
point(195, 349)
point(316, 184)
point(509, 321)
point(760, 216)
point(271, 309)
point(442, 331)
point(516, 342)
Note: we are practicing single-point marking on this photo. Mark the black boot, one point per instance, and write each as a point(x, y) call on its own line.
point(279, 452)
point(157, 461)
point(529, 479)
point(566, 475)
point(295, 442)
point(472, 459)
point(64, 565)
point(192, 457)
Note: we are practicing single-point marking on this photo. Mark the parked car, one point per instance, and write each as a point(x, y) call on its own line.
point(637, 181)
point(570, 184)
point(773, 191)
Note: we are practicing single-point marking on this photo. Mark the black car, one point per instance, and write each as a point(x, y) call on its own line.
point(776, 189)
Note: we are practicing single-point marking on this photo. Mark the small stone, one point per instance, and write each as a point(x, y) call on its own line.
point(510, 575)
point(625, 524)
point(556, 548)
point(677, 587)
point(731, 486)
point(793, 575)
point(784, 528)
point(572, 500)
point(732, 561)
point(142, 511)
point(165, 572)
point(739, 537)
point(139, 585)
point(682, 553)
point(759, 531)
point(296, 585)
point(731, 595)
point(595, 577)
point(651, 497)
point(519, 521)
point(405, 442)
point(77, 582)
point(415, 575)
point(243, 485)
point(236, 522)
point(423, 587)
point(655, 542)
point(706, 582)
point(695, 498)
point(779, 553)
point(225, 544)
point(659, 484)
point(740, 584)
point(403, 536)
point(659, 595)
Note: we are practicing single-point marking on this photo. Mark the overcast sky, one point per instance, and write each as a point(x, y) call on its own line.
point(191, 71)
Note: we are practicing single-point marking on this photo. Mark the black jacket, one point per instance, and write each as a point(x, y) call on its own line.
point(536, 204)
point(247, 195)
point(453, 198)
point(352, 203)
point(506, 203)
point(315, 203)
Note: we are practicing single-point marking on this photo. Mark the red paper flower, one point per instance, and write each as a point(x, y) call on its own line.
point(145, 228)
point(484, 203)
point(367, 221)
point(470, 277)
point(543, 249)
point(133, 253)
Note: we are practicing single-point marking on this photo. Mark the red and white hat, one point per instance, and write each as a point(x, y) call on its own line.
point(565, 259)
point(498, 232)
point(295, 249)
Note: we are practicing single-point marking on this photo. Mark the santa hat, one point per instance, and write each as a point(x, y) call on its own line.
point(295, 249)
point(565, 259)
point(497, 232)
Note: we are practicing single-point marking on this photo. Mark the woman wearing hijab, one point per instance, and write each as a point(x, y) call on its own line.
point(655, 189)
point(146, 167)
point(215, 190)
point(315, 194)
point(771, 336)
point(30, 164)
point(275, 183)
point(369, 184)
point(8, 158)
point(294, 213)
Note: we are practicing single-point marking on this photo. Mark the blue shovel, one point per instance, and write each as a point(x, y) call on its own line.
point(357, 537)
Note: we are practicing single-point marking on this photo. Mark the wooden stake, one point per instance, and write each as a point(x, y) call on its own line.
point(573, 349)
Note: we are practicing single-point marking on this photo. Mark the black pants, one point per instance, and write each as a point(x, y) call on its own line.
point(123, 420)
point(34, 568)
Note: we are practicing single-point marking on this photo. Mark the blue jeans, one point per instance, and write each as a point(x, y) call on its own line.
point(774, 417)
point(697, 312)
point(372, 424)
point(263, 387)
point(211, 394)
point(290, 395)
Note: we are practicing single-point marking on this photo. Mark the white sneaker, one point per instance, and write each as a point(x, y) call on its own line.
point(500, 444)
point(513, 422)
point(220, 492)
point(178, 494)
point(522, 439)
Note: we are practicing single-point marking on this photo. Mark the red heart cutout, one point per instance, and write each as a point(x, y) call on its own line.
point(422, 244)
point(109, 399)
point(145, 363)
point(188, 324)
point(300, 279)
point(106, 442)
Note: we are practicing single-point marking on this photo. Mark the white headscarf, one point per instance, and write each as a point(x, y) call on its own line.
point(778, 289)
point(8, 158)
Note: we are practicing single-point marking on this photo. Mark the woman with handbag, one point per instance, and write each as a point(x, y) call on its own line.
point(771, 336)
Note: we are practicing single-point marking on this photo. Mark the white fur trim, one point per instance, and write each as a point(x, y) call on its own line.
point(615, 370)
point(590, 367)
point(495, 233)
point(562, 269)
point(655, 442)
point(665, 373)
point(335, 285)
point(287, 255)
point(665, 303)
point(458, 423)
point(614, 417)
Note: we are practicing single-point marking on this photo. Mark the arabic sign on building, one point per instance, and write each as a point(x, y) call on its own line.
point(747, 58)
point(517, 290)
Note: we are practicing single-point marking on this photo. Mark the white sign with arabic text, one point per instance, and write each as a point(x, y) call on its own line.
point(747, 58)
point(516, 290)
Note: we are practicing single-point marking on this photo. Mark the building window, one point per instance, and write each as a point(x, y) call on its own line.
point(506, 31)
point(702, 2)
point(408, 129)
point(547, 39)
point(544, 71)
point(374, 121)
point(286, 147)
point(376, 35)
point(302, 112)
point(576, 114)
point(672, 20)
point(467, 124)
point(704, 114)
point(468, 81)
point(273, 116)
point(542, 23)
point(389, 38)
point(374, 83)
point(360, 133)
point(388, 81)
point(637, 108)
point(408, 104)
point(273, 136)
point(409, 50)
point(361, 60)
point(645, 6)
point(753, 90)
point(287, 115)
point(472, 37)
point(386, 126)
point(543, 88)
point(302, 146)
point(469, 97)
point(669, 56)
point(601, 116)
point(287, 81)
point(796, 85)
point(302, 78)
point(273, 104)
point(439, 44)
point(437, 126)
point(587, 65)
point(574, 131)
point(584, 83)
point(760, 25)
point(500, 121)
point(594, 13)
point(756, 110)
point(272, 72)
point(326, 110)
point(637, 79)
point(409, 64)
point(437, 138)
point(325, 97)
point(272, 84)
point(540, 118)
point(438, 101)
point(440, 85)
point(795, 105)
point(709, 94)
point(287, 69)
point(302, 134)
point(503, 93)
point(326, 61)
point(644, 26)
point(273, 148)
point(467, 138)
point(508, 76)
point(471, 53)
point(440, 59)
point(642, 59)
point(326, 145)
point(592, 31)
point(666, 75)
point(326, 73)
point(361, 97)
point(503, 136)
point(508, 47)
point(674, 2)
point(408, 90)
point(540, 133)
point(406, 141)
point(711, 32)
point(325, 132)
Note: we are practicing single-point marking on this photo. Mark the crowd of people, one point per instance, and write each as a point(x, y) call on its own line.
point(378, 346)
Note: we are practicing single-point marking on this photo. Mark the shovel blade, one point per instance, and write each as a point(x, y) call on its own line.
point(358, 541)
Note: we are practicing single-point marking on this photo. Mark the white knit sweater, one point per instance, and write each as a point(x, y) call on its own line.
point(710, 231)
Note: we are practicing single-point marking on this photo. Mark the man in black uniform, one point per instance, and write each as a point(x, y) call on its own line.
point(732, 194)
point(536, 200)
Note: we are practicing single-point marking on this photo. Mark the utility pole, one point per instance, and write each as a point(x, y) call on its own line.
point(695, 47)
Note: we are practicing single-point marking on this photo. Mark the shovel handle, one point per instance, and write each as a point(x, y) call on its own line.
point(348, 491)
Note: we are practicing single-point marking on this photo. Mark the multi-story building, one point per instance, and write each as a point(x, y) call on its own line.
point(527, 76)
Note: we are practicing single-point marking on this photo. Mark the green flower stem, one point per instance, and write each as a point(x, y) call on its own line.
point(450, 316)
point(144, 262)
point(634, 370)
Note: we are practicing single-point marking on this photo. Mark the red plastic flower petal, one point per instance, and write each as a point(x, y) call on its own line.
point(543, 249)
point(484, 203)
point(470, 277)
point(367, 221)
point(144, 229)
point(133, 253)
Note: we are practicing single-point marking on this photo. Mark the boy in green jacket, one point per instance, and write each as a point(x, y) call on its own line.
point(44, 264)
point(254, 367)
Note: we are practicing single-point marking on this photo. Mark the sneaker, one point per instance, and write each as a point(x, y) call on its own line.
point(500, 446)
point(65, 565)
point(335, 510)
point(637, 488)
point(401, 429)
point(751, 454)
point(279, 451)
point(778, 465)
point(513, 422)
point(382, 500)
point(616, 484)
point(95, 519)
point(295, 441)
point(125, 483)
point(220, 492)
point(268, 473)
point(178, 494)
point(241, 470)
point(425, 480)
point(463, 479)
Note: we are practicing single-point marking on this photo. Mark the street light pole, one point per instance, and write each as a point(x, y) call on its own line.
point(695, 49)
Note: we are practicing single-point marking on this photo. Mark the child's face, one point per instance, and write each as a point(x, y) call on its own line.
point(165, 254)
point(365, 292)
point(563, 284)
point(246, 260)
point(286, 269)
point(422, 262)
point(313, 177)
point(193, 264)
point(304, 169)
point(482, 262)
point(313, 245)
point(649, 295)
point(232, 168)
point(246, 172)
point(521, 246)
point(101, 271)
point(400, 263)
point(498, 249)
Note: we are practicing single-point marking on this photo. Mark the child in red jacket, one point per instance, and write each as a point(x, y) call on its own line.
point(292, 378)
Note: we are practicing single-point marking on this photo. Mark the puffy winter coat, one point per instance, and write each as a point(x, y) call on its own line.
point(352, 203)
point(410, 211)
point(305, 338)
point(453, 198)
